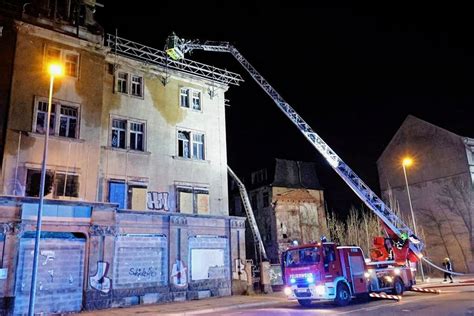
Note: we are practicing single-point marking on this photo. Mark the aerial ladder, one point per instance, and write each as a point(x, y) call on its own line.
point(257, 238)
point(397, 230)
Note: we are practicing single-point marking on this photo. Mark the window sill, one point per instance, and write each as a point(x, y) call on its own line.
point(61, 138)
point(130, 151)
point(190, 159)
point(141, 97)
point(191, 109)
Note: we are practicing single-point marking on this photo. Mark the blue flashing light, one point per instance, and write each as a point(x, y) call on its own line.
point(310, 279)
point(292, 280)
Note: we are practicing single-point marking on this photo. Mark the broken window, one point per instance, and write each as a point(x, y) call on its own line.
point(183, 144)
point(191, 144)
point(58, 183)
point(64, 119)
point(128, 134)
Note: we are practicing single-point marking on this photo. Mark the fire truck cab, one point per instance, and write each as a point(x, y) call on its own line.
point(327, 272)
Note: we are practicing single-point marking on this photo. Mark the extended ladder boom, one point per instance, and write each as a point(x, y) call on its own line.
point(177, 47)
point(250, 216)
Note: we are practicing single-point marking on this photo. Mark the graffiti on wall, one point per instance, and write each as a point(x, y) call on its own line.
point(238, 272)
point(179, 276)
point(99, 281)
point(146, 273)
point(157, 201)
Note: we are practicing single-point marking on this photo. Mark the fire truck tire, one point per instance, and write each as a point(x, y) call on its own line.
point(305, 303)
point(343, 295)
point(398, 287)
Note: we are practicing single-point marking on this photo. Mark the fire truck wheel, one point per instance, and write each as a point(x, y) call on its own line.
point(305, 303)
point(343, 295)
point(398, 287)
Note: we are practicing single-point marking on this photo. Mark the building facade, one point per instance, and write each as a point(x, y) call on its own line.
point(441, 188)
point(288, 203)
point(136, 181)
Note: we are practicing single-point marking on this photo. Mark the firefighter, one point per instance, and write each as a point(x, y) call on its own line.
point(447, 266)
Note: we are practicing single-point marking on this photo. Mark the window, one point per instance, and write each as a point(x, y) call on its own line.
point(196, 100)
point(69, 59)
point(57, 182)
point(193, 200)
point(186, 149)
point(119, 128)
point(66, 184)
point(259, 176)
point(190, 97)
point(122, 80)
point(266, 199)
point(128, 134)
point(198, 146)
point(129, 84)
point(184, 97)
point(137, 86)
point(64, 119)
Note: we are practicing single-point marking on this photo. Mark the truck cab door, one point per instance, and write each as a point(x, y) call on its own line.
point(332, 268)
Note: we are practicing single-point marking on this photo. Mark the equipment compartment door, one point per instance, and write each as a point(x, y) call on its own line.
point(357, 268)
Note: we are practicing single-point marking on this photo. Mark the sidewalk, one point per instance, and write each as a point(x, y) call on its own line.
point(220, 304)
point(210, 305)
point(461, 280)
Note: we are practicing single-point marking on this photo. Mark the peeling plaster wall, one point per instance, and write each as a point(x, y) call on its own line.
point(160, 167)
point(31, 80)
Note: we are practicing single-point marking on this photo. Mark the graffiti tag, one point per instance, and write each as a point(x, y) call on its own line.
point(99, 281)
point(178, 274)
point(49, 254)
point(149, 272)
point(157, 201)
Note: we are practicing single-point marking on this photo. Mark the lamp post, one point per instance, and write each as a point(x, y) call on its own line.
point(407, 162)
point(54, 70)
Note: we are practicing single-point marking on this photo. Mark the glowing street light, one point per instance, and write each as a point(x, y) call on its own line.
point(407, 162)
point(54, 70)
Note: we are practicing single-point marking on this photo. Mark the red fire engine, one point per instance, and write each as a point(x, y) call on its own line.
point(326, 271)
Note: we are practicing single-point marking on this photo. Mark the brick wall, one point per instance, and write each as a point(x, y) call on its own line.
point(60, 273)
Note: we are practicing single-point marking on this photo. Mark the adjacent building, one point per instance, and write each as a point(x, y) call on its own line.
point(288, 203)
point(136, 182)
point(441, 188)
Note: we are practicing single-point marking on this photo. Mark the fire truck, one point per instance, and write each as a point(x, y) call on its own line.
point(328, 272)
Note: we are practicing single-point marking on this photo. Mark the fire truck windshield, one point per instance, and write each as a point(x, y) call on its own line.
point(302, 257)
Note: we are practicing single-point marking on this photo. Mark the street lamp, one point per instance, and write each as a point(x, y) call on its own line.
point(54, 70)
point(407, 162)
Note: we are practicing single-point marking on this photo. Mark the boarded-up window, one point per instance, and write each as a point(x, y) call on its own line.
point(193, 200)
point(207, 264)
point(138, 198)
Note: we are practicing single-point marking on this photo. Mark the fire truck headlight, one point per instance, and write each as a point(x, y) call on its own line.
point(292, 280)
point(397, 271)
point(389, 278)
point(310, 279)
point(367, 275)
point(320, 289)
point(287, 291)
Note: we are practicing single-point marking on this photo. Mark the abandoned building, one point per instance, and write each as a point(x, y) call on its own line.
point(136, 207)
point(440, 183)
point(288, 203)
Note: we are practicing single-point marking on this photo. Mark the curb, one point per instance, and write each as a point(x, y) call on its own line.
point(447, 285)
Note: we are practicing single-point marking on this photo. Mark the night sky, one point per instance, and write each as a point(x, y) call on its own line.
point(353, 73)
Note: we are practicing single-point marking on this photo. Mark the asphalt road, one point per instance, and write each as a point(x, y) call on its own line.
point(453, 301)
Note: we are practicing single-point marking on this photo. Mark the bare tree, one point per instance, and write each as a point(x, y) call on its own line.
point(456, 196)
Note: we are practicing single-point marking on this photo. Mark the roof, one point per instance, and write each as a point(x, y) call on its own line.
point(285, 173)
